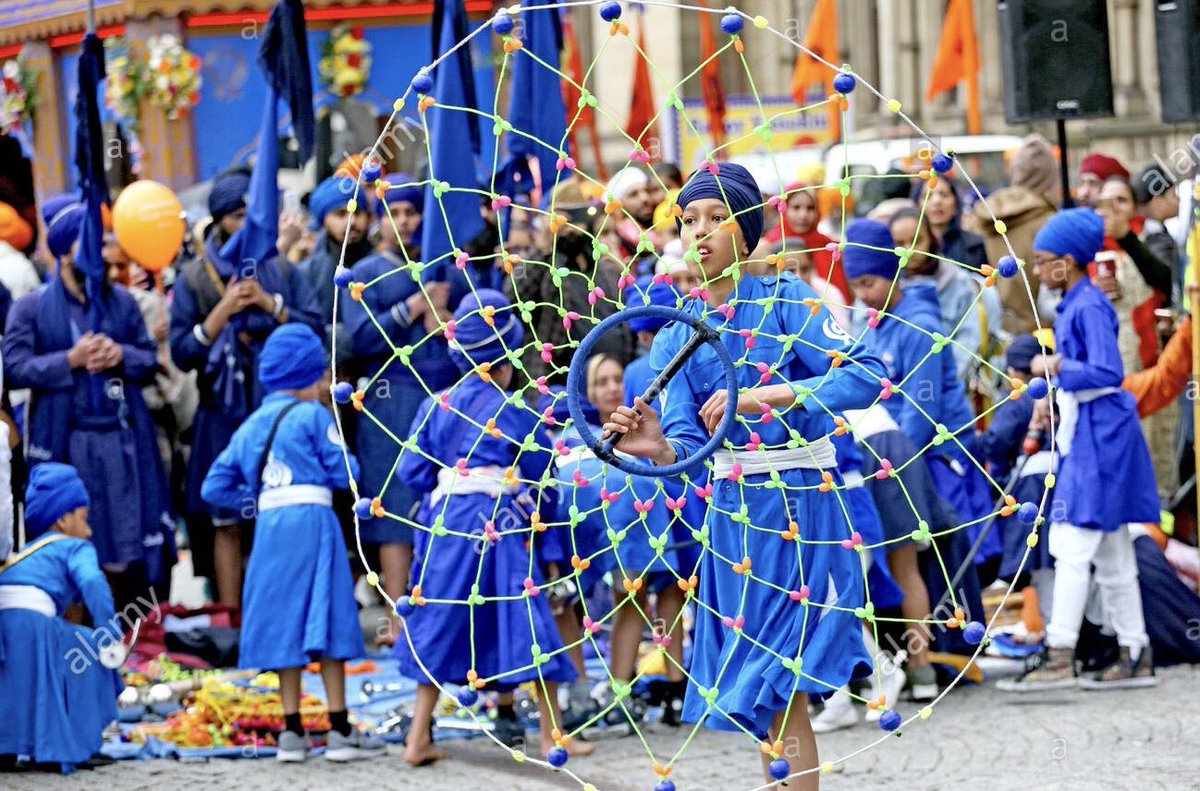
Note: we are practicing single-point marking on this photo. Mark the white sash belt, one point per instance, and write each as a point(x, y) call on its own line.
point(1068, 412)
point(580, 453)
point(27, 597)
point(298, 494)
point(489, 480)
point(817, 455)
point(853, 479)
point(866, 423)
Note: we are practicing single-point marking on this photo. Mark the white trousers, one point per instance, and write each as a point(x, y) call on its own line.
point(1075, 551)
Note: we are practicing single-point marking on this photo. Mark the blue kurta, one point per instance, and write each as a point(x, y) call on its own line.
point(99, 424)
point(750, 681)
point(398, 391)
point(450, 635)
point(1107, 478)
point(58, 697)
point(298, 600)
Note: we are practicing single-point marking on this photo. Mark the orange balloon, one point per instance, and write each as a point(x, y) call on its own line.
point(148, 221)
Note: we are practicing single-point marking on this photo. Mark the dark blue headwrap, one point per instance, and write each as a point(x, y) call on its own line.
point(1078, 233)
point(54, 491)
point(1021, 352)
point(292, 359)
point(407, 192)
point(63, 215)
point(228, 194)
point(331, 195)
point(733, 185)
point(476, 341)
point(651, 293)
point(860, 261)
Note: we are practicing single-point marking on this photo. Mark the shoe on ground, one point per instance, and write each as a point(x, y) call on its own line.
point(839, 713)
point(1124, 673)
point(292, 748)
point(922, 684)
point(356, 746)
point(887, 682)
point(1048, 669)
point(508, 732)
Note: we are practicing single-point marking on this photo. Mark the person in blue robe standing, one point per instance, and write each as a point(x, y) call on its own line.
point(86, 406)
point(762, 597)
point(1106, 481)
point(475, 615)
point(60, 685)
point(283, 464)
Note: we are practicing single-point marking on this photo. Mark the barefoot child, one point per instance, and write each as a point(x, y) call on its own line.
point(748, 573)
point(298, 601)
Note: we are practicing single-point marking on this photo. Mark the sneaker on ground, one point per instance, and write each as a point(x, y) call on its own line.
point(508, 732)
point(357, 745)
point(1124, 673)
point(292, 748)
point(922, 683)
point(888, 682)
point(839, 713)
point(1048, 669)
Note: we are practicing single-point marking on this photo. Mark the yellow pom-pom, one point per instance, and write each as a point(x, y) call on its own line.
point(352, 205)
point(1032, 540)
point(372, 579)
point(760, 22)
point(588, 787)
point(926, 712)
point(518, 756)
point(1050, 479)
point(1001, 228)
point(827, 768)
point(398, 105)
point(893, 105)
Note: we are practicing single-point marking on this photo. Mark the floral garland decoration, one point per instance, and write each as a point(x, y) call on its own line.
point(125, 82)
point(345, 62)
point(18, 94)
point(173, 76)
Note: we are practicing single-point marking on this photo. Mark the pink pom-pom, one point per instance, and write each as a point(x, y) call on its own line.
point(531, 587)
point(885, 469)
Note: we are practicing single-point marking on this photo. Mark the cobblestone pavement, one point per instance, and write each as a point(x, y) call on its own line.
point(977, 738)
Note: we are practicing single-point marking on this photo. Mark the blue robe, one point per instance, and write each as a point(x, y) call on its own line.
point(103, 428)
point(298, 600)
point(496, 638)
point(394, 397)
point(751, 684)
point(1107, 479)
point(58, 697)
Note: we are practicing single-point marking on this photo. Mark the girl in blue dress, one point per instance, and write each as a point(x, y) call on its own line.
point(476, 615)
point(777, 589)
point(280, 468)
point(60, 688)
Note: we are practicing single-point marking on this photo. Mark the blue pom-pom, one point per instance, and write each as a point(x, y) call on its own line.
point(665, 785)
point(942, 163)
point(404, 607)
point(844, 83)
point(341, 393)
point(342, 277)
point(363, 507)
point(557, 757)
point(422, 83)
point(779, 769)
point(503, 24)
point(1028, 513)
point(1007, 266)
point(371, 172)
point(610, 12)
point(732, 23)
point(1038, 387)
point(890, 720)
point(467, 696)
point(973, 632)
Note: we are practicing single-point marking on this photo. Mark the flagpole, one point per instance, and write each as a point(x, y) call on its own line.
point(91, 16)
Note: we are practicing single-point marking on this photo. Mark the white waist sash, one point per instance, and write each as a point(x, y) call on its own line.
point(298, 494)
point(1068, 412)
point(866, 423)
point(489, 480)
point(27, 597)
point(853, 479)
point(580, 453)
point(817, 455)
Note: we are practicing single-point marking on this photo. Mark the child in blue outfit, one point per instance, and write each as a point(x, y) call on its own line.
point(1106, 480)
point(298, 600)
point(764, 637)
point(59, 683)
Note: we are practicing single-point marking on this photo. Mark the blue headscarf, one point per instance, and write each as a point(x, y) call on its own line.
point(1078, 233)
point(331, 195)
point(475, 340)
point(407, 192)
point(228, 194)
point(652, 294)
point(54, 491)
point(1021, 352)
point(292, 359)
point(63, 215)
point(860, 261)
point(733, 185)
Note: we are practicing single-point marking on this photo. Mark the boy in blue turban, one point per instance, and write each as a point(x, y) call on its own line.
point(281, 468)
point(1106, 480)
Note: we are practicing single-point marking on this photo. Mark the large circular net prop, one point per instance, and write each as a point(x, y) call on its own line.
point(741, 30)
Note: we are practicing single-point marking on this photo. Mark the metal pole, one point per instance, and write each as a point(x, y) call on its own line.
point(1064, 175)
point(91, 16)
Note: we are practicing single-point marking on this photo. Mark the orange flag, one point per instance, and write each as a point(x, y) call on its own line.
point(641, 125)
point(958, 60)
point(710, 80)
point(822, 39)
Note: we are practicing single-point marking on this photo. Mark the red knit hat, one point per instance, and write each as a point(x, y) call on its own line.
point(1103, 166)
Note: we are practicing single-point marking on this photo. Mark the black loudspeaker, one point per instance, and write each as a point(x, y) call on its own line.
point(1177, 23)
point(1055, 59)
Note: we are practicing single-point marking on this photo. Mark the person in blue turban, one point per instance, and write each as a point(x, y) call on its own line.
point(487, 328)
point(63, 216)
point(400, 214)
point(339, 229)
point(1077, 233)
point(227, 200)
point(292, 359)
point(650, 291)
point(55, 490)
point(733, 186)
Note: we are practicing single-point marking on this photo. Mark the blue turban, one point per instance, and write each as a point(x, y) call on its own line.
point(1021, 352)
point(54, 491)
point(741, 195)
point(1078, 233)
point(475, 341)
point(63, 215)
point(331, 195)
point(860, 261)
point(406, 193)
point(652, 294)
point(292, 358)
point(228, 194)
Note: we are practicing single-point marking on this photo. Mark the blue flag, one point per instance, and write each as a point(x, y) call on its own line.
point(454, 146)
point(536, 100)
point(93, 188)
